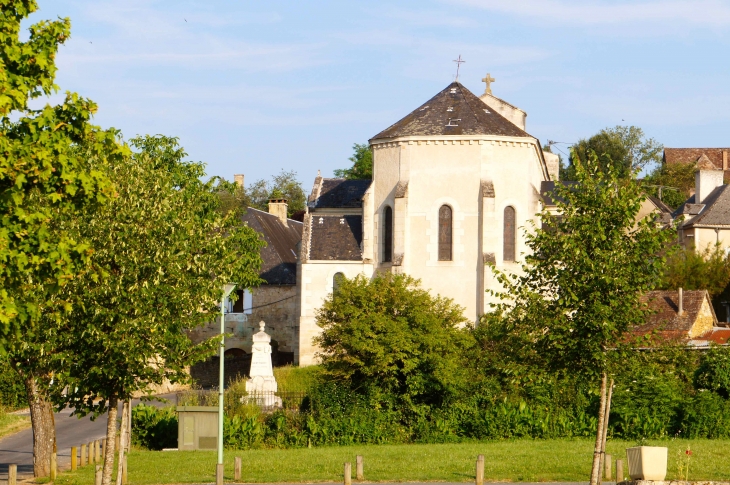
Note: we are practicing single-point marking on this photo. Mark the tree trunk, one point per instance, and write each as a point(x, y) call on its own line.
point(606, 415)
point(44, 428)
point(596, 470)
point(123, 439)
point(111, 436)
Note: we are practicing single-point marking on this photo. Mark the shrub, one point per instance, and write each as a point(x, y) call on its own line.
point(713, 372)
point(154, 428)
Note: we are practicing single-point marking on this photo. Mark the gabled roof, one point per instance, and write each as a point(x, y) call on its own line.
point(453, 111)
point(279, 265)
point(715, 211)
point(335, 237)
point(693, 155)
point(665, 318)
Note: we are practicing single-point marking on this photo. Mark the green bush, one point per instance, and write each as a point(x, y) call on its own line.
point(713, 372)
point(12, 389)
point(154, 428)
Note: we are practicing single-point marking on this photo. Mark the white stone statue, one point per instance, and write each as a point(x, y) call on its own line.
point(261, 384)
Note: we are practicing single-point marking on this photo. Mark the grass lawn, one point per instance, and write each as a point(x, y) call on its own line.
point(12, 423)
point(521, 460)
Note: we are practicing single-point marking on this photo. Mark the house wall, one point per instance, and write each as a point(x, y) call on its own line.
point(704, 322)
point(449, 171)
point(275, 305)
point(708, 237)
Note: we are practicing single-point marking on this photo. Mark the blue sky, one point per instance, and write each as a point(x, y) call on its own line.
point(256, 87)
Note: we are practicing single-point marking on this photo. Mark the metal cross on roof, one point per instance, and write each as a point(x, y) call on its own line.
point(489, 80)
point(458, 62)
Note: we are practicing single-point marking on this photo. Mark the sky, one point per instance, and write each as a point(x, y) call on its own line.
point(256, 87)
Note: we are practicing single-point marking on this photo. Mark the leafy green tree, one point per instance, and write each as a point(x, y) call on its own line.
point(623, 147)
point(282, 186)
point(362, 164)
point(388, 337)
point(166, 250)
point(38, 159)
point(677, 182)
point(583, 276)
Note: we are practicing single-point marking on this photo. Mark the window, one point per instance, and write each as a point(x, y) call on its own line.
point(336, 281)
point(445, 233)
point(387, 235)
point(243, 303)
point(509, 234)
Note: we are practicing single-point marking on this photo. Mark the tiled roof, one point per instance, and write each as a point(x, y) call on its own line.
point(335, 237)
point(718, 335)
point(714, 212)
point(693, 155)
point(339, 193)
point(665, 317)
point(279, 266)
point(453, 111)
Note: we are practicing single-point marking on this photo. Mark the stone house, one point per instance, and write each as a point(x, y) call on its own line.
point(681, 316)
point(274, 302)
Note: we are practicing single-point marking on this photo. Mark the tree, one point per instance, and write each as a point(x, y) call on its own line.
point(677, 181)
point(582, 280)
point(362, 164)
point(390, 337)
point(38, 159)
point(282, 186)
point(623, 147)
point(165, 250)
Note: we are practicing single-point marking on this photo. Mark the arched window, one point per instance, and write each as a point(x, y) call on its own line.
point(387, 235)
point(336, 280)
point(445, 233)
point(509, 234)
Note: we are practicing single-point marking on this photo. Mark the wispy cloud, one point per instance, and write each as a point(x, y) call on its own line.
point(711, 13)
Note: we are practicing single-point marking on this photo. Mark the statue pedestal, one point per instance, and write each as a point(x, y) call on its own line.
point(261, 386)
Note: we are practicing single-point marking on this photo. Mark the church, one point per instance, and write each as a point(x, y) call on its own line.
point(454, 182)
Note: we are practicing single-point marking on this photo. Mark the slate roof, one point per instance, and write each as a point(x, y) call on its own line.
point(693, 155)
point(547, 190)
point(279, 265)
point(714, 212)
point(335, 237)
point(340, 193)
point(453, 111)
point(665, 318)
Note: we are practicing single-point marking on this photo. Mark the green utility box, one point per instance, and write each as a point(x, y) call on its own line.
point(197, 428)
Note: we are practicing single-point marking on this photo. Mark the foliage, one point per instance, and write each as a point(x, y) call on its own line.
point(42, 173)
point(282, 186)
point(389, 336)
point(165, 250)
point(713, 373)
point(362, 164)
point(154, 428)
point(677, 181)
point(582, 280)
point(623, 148)
point(12, 389)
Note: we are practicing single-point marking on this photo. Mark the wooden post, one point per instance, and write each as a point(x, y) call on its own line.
point(348, 473)
point(103, 451)
point(619, 471)
point(91, 452)
point(53, 466)
point(358, 468)
point(219, 474)
point(237, 469)
point(95, 444)
point(12, 474)
point(480, 470)
point(117, 441)
point(74, 452)
point(98, 475)
point(124, 470)
point(608, 466)
point(83, 455)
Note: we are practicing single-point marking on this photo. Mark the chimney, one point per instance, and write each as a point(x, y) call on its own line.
point(681, 303)
point(279, 207)
point(238, 178)
point(707, 179)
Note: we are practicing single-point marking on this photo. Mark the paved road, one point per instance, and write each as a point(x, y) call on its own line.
point(70, 431)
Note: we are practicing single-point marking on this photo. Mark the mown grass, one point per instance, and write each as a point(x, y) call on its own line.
point(520, 460)
point(12, 423)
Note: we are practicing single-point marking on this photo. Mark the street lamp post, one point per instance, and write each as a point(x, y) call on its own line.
point(227, 289)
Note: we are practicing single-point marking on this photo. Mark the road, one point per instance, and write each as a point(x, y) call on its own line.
point(70, 431)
